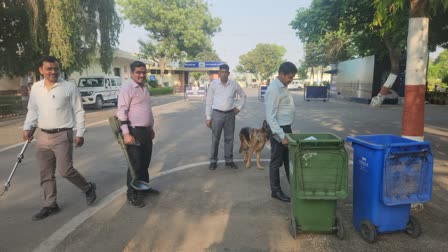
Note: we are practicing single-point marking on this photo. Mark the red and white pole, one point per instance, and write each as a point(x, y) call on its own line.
point(416, 67)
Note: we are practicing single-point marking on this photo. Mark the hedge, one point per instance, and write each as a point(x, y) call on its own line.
point(10, 105)
point(160, 90)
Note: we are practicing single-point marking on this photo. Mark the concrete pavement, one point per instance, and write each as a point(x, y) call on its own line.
point(231, 210)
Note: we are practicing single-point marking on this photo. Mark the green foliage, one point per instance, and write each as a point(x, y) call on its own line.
point(176, 28)
point(263, 61)
point(153, 83)
point(438, 70)
point(66, 29)
point(160, 91)
point(301, 71)
point(10, 104)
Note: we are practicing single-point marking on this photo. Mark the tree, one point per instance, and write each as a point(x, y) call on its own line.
point(263, 61)
point(207, 55)
point(176, 28)
point(438, 70)
point(66, 29)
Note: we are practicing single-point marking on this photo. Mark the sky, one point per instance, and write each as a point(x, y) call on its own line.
point(245, 23)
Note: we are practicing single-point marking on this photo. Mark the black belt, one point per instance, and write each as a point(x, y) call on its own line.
point(53, 131)
point(141, 127)
point(225, 112)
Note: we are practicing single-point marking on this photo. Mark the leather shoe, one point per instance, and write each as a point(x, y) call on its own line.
point(231, 165)
point(136, 200)
point(212, 166)
point(45, 212)
point(91, 194)
point(280, 196)
point(151, 191)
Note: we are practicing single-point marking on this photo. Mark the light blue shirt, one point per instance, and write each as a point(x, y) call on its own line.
point(279, 107)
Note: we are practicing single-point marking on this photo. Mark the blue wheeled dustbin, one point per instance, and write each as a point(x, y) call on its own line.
point(389, 174)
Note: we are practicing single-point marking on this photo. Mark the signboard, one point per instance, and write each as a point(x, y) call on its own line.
point(262, 92)
point(152, 77)
point(201, 64)
point(195, 92)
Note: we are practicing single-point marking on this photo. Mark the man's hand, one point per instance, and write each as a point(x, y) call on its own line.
point(153, 134)
point(236, 111)
point(208, 123)
point(285, 141)
point(79, 141)
point(26, 135)
point(128, 138)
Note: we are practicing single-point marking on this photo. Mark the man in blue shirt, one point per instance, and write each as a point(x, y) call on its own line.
point(280, 112)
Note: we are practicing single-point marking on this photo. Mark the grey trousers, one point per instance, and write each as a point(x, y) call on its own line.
point(220, 121)
point(55, 151)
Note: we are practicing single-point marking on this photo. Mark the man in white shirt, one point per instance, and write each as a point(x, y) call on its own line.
point(55, 107)
point(280, 112)
point(220, 111)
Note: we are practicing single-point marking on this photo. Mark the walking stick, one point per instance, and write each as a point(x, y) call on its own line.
point(19, 160)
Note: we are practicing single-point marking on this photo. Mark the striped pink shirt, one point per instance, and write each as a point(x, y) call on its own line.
point(134, 105)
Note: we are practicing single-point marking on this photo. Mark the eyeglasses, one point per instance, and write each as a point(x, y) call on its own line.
point(140, 72)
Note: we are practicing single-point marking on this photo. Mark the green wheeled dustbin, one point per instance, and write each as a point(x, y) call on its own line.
point(318, 178)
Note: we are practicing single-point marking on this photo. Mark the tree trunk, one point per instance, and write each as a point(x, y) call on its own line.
point(162, 65)
point(416, 68)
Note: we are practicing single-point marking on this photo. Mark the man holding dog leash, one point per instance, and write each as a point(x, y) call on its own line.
point(220, 111)
point(55, 107)
point(280, 112)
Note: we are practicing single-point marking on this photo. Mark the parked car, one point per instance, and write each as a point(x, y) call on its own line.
point(296, 84)
point(97, 90)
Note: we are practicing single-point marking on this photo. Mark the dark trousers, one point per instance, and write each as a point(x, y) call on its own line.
point(279, 156)
point(140, 156)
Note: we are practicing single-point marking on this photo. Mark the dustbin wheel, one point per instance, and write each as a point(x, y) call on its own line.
point(368, 231)
point(413, 228)
point(339, 229)
point(292, 226)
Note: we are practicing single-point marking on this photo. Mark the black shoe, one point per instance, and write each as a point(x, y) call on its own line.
point(151, 191)
point(136, 200)
point(45, 212)
point(212, 166)
point(231, 165)
point(91, 194)
point(280, 196)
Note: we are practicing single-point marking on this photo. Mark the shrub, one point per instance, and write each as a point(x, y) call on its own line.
point(160, 90)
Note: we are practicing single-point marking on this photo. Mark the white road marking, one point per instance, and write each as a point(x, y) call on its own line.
point(59, 235)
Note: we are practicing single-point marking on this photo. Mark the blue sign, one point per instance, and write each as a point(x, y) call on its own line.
point(201, 64)
point(152, 77)
point(213, 63)
point(192, 64)
point(262, 92)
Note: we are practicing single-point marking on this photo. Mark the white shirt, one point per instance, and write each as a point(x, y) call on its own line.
point(221, 97)
point(279, 106)
point(58, 107)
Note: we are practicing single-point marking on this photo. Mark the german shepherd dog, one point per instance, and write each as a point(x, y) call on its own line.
point(253, 140)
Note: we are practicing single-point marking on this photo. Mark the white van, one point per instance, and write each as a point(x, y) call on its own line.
point(296, 84)
point(96, 90)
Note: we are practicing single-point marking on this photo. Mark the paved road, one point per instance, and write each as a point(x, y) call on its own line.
point(225, 210)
